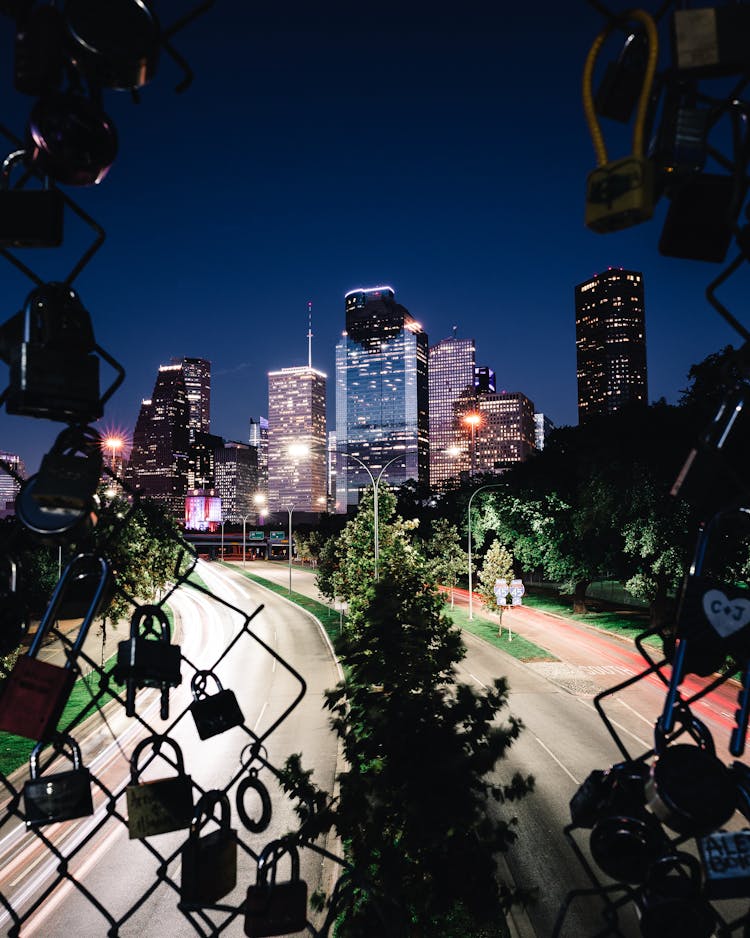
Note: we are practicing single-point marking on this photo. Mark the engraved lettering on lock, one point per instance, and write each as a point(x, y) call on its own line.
point(726, 616)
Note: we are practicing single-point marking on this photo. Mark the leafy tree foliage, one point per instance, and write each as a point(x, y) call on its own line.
point(420, 750)
point(497, 565)
point(447, 561)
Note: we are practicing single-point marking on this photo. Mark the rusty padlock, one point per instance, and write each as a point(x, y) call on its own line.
point(35, 692)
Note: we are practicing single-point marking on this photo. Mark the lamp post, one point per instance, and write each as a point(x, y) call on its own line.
point(244, 541)
point(493, 485)
point(290, 509)
point(223, 522)
point(375, 484)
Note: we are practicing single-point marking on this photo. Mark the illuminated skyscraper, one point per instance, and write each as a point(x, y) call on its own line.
point(9, 488)
point(297, 439)
point(505, 433)
point(197, 375)
point(610, 343)
point(159, 460)
point(237, 480)
point(258, 439)
point(452, 395)
point(382, 395)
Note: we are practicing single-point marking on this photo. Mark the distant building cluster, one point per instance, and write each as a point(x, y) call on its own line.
point(405, 411)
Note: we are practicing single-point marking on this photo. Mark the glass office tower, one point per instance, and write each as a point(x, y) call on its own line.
point(381, 395)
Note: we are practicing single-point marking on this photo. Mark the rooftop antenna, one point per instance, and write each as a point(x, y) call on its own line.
point(455, 330)
point(309, 334)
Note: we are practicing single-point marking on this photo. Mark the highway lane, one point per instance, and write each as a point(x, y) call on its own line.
point(119, 869)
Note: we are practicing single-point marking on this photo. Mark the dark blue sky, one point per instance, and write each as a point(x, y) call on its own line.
point(444, 154)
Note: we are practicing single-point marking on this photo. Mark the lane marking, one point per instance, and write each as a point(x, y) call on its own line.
point(614, 723)
point(260, 716)
point(637, 713)
point(477, 680)
point(554, 758)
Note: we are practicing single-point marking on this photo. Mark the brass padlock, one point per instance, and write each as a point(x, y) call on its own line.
point(213, 713)
point(35, 692)
point(713, 618)
point(53, 371)
point(14, 613)
point(161, 805)
point(60, 797)
point(620, 193)
point(148, 662)
point(273, 908)
point(209, 863)
point(69, 474)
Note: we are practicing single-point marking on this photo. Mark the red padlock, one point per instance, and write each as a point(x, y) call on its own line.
point(35, 692)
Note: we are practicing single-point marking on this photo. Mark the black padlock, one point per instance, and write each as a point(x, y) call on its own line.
point(69, 474)
point(54, 373)
point(14, 613)
point(29, 218)
point(60, 797)
point(164, 804)
point(271, 907)
point(35, 692)
point(213, 713)
point(209, 863)
point(671, 904)
point(148, 662)
point(713, 619)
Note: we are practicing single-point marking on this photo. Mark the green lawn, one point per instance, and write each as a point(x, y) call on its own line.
point(625, 622)
point(516, 646)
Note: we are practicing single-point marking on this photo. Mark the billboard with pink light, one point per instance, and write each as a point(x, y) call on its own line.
point(202, 512)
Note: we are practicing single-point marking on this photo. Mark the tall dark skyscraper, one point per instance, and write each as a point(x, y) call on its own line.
point(197, 375)
point(382, 394)
point(159, 460)
point(610, 343)
point(452, 395)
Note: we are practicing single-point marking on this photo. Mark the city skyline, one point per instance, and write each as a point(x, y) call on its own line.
point(457, 175)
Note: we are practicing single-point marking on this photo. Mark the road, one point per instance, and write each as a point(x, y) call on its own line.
point(563, 741)
point(100, 853)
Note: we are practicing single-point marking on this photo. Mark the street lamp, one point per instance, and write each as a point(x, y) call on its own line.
point(244, 541)
point(290, 509)
point(473, 421)
point(375, 484)
point(494, 485)
point(223, 522)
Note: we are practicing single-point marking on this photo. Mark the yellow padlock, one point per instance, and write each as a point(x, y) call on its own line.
point(620, 193)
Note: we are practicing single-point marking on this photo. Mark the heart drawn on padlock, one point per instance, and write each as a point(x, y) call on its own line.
point(726, 616)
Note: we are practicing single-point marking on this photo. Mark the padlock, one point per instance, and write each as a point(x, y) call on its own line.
point(14, 613)
point(29, 218)
point(70, 139)
point(54, 526)
point(162, 805)
point(273, 908)
point(39, 51)
point(713, 617)
point(69, 474)
point(671, 904)
point(60, 797)
point(725, 858)
point(35, 692)
point(148, 662)
point(53, 371)
point(213, 713)
point(620, 193)
point(209, 863)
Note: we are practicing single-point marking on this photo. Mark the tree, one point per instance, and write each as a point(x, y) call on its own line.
point(497, 565)
point(419, 748)
point(447, 560)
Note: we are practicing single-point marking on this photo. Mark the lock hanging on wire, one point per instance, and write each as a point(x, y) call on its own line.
point(213, 713)
point(64, 796)
point(209, 863)
point(160, 805)
point(144, 661)
point(620, 193)
point(272, 907)
point(29, 218)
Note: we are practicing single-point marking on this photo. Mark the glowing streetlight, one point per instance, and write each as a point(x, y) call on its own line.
point(375, 484)
point(480, 489)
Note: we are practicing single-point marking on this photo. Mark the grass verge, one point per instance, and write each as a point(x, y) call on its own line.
point(329, 618)
point(627, 623)
point(517, 646)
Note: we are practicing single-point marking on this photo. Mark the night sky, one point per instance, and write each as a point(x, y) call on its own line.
point(326, 147)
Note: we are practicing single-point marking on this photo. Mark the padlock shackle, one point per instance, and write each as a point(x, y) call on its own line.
point(690, 724)
point(199, 678)
point(157, 742)
point(154, 612)
point(62, 738)
point(17, 156)
point(270, 856)
point(600, 148)
point(706, 529)
point(204, 809)
point(50, 614)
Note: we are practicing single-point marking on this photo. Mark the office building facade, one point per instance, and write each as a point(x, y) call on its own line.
point(452, 395)
point(236, 472)
point(610, 343)
point(505, 432)
point(297, 439)
point(158, 466)
point(9, 487)
point(258, 439)
point(382, 395)
point(197, 376)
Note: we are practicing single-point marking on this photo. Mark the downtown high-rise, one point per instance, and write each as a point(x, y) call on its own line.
point(610, 343)
point(452, 397)
point(382, 395)
point(297, 439)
